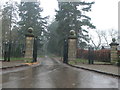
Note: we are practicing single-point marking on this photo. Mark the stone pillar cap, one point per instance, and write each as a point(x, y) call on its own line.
point(30, 32)
point(30, 29)
point(72, 34)
point(113, 42)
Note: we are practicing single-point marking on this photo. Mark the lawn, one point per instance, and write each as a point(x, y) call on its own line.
point(41, 56)
point(85, 61)
point(1, 58)
point(16, 58)
point(27, 60)
point(19, 58)
point(81, 60)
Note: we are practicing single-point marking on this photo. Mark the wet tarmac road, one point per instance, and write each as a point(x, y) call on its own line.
point(54, 74)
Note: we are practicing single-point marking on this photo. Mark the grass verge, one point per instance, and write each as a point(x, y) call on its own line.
point(85, 61)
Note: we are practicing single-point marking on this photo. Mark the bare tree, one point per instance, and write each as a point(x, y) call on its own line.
point(113, 33)
point(103, 37)
point(107, 35)
point(99, 40)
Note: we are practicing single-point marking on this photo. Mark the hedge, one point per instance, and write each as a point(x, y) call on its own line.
point(98, 55)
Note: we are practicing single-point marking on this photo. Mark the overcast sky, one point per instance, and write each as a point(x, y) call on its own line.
point(104, 14)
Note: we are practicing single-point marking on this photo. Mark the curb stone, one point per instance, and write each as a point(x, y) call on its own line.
point(22, 65)
point(94, 70)
point(17, 66)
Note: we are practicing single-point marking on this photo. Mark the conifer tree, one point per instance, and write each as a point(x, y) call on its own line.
point(72, 16)
point(30, 16)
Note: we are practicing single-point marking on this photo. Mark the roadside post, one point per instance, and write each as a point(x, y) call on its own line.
point(9, 50)
point(5, 51)
point(90, 55)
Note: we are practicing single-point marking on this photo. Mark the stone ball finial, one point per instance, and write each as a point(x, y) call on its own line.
point(72, 32)
point(113, 39)
point(30, 29)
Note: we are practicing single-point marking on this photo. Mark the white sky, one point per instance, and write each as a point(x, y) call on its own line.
point(104, 13)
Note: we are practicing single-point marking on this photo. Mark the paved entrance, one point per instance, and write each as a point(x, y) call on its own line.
point(54, 74)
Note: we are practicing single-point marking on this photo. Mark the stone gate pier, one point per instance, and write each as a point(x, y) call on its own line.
point(72, 46)
point(29, 45)
point(114, 55)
